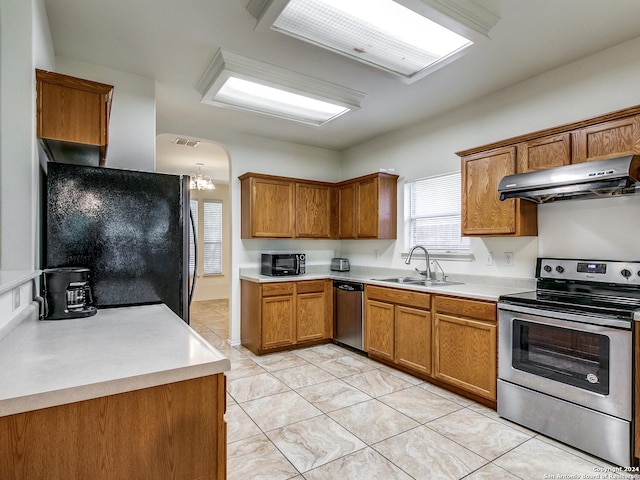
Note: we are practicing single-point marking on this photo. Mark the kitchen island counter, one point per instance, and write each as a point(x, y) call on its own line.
point(56, 362)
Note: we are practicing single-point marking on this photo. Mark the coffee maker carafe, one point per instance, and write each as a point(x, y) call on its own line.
point(67, 293)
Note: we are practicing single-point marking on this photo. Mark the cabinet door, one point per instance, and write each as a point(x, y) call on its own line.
point(379, 328)
point(413, 338)
point(311, 316)
point(347, 211)
point(610, 139)
point(546, 152)
point(72, 109)
point(278, 321)
point(271, 208)
point(313, 211)
point(367, 209)
point(483, 214)
point(465, 354)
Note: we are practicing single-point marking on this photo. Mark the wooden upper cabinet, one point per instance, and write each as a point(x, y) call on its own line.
point(611, 139)
point(267, 207)
point(346, 210)
point(282, 207)
point(72, 113)
point(483, 214)
point(374, 211)
point(545, 152)
point(313, 210)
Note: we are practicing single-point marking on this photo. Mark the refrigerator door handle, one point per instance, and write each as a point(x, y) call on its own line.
point(195, 256)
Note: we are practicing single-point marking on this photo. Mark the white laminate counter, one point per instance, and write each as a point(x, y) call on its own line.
point(473, 286)
point(50, 363)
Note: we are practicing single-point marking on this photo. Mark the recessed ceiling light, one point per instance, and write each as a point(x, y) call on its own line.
point(395, 36)
point(238, 82)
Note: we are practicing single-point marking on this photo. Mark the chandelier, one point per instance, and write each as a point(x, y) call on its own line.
point(201, 182)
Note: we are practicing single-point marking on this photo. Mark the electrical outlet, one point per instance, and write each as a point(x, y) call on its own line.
point(508, 259)
point(489, 261)
point(15, 294)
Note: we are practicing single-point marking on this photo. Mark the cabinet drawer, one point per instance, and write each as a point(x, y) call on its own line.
point(400, 297)
point(273, 289)
point(466, 308)
point(311, 286)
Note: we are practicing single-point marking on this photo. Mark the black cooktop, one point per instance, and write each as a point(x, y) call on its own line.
point(620, 304)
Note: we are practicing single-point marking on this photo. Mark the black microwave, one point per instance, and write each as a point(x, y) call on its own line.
point(280, 264)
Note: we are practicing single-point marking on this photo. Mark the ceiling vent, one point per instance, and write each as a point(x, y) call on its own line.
point(186, 142)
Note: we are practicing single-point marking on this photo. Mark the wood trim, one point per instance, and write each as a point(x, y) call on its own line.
point(554, 130)
point(462, 307)
point(264, 176)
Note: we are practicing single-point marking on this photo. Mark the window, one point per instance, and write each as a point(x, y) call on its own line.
point(193, 204)
point(212, 236)
point(433, 214)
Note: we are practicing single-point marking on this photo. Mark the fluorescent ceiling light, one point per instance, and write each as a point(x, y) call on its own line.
point(238, 82)
point(385, 34)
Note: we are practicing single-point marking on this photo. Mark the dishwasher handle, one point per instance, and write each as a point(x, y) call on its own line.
point(348, 286)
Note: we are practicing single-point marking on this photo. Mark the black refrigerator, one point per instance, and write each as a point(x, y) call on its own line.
point(130, 228)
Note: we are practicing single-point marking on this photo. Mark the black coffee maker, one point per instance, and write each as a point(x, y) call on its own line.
point(67, 293)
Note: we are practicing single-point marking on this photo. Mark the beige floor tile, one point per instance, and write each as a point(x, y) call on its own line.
point(404, 376)
point(425, 454)
point(419, 404)
point(534, 459)
point(279, 410)
point(333, 395)
point(280, 361)
point(478, 433)
point(454, 397)
point(256, 386)
point(304, 376)
point(239, 424)
point(363, 464)
point(345, 366)
point(256, 458)
point(373, 421)
point(492, 472)
point(244, 368)
point(376, 383)
point(320, 353)
point(314, 442)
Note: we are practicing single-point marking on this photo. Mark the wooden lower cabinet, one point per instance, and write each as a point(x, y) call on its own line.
point(413, 332)
point(465, 344)
point(275, 316)
point(398, 327)
point(174, 431)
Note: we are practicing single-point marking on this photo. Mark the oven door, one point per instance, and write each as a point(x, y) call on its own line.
point(586, 364)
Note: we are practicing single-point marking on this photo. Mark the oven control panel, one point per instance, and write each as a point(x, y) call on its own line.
point(607, 271)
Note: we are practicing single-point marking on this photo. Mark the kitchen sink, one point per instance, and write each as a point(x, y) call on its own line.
point(418, 281)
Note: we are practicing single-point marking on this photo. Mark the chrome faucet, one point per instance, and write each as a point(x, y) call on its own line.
point(435, 274)
point(427, 272)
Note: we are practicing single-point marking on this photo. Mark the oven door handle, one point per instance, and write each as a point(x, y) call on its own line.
point(573, 317)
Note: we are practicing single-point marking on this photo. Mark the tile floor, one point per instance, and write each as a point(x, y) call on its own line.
point(326, 412)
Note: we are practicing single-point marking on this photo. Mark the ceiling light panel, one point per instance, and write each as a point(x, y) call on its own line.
point(238, 82)
point(381, 33)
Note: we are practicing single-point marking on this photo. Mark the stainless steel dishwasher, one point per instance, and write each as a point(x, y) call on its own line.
point(348, 319)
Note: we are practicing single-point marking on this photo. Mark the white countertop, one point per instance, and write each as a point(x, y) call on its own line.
point(473, 286)
point(49, 363)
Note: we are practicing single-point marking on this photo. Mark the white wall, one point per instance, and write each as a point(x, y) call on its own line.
point(132, 126)
point(25, 44)
point(598, 84)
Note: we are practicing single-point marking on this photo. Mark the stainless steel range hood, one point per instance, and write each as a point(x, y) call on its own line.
point(617, 176)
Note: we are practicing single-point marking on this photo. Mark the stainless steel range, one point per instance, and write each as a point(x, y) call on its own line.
point(566, 355)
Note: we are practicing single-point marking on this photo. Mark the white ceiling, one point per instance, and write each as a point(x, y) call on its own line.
point(173, 42)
